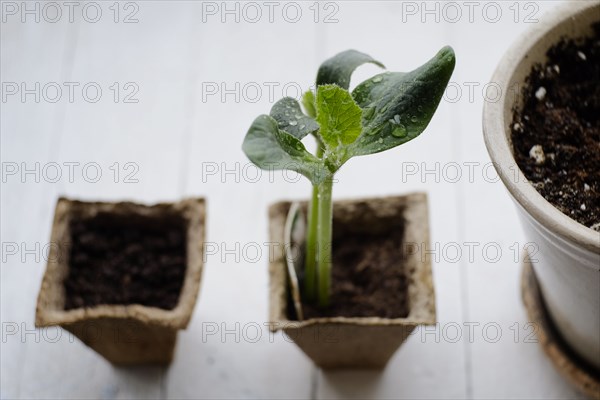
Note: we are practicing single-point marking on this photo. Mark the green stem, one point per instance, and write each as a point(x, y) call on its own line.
point(310, 267)
point(324, 241)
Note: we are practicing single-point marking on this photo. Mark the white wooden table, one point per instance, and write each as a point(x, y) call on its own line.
point(180, 83)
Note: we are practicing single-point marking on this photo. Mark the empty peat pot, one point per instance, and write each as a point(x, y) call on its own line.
point(365, 341)
point(567, 263)
point(124, 277)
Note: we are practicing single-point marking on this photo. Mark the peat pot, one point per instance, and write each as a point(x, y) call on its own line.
point(567, 263)
point(359, 342)
point(151, 255)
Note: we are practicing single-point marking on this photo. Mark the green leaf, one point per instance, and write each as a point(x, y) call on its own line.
point(291, 119)
point(397, 106)
point(272, 149)
point(339, 117)
point(339, 68)
point(308, 101)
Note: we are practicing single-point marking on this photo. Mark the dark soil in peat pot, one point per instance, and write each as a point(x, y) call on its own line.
point(556, 135)
point(126, 260)
point(368, 278)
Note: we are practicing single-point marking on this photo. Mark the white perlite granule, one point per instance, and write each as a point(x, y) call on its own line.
point(540, 93)
point(537, 153)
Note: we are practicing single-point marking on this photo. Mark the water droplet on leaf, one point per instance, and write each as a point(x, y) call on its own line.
point(399, 131)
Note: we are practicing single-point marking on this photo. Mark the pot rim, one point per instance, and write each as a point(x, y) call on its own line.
point(496, 135)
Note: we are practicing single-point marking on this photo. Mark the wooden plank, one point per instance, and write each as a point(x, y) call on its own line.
point(422, 368)
point(262, 59)
point(514, 366)
point(136, 141)
point(28, 129)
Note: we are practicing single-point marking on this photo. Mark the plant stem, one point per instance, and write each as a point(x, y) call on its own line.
point(310, 266)
point(324, 241)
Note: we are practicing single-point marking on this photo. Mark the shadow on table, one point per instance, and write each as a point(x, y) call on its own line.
point(350, 383)
point(140, 375)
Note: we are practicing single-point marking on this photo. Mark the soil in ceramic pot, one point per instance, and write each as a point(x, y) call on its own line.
point(556, 134)
point(126, 260)
point(368, 277)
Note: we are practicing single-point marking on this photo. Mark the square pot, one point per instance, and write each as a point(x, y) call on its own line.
point(123, 333)
point(361, 342)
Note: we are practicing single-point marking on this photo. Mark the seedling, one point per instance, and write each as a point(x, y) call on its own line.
point(383, 112)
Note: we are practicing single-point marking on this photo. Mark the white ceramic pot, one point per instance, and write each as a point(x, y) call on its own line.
point(567, 263)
